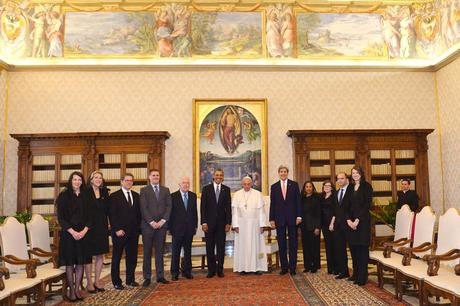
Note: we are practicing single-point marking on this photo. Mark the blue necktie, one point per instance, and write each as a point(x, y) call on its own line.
point(157, 192)
point(341, 196)
point(185, 200)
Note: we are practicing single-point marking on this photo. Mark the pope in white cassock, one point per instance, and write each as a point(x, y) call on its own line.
point(248, 220)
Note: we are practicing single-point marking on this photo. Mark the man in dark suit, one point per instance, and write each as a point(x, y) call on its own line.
point(216, 220)
point(340, 225)
point(182, 225)
point(155, 210)
point(285, 214)
point(407, 196)
point(125, 222)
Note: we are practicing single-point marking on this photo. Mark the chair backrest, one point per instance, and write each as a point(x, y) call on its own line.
point(403, 225)
point(449, 234)
point(424, 228)
point(14, 242)
point(38, 231)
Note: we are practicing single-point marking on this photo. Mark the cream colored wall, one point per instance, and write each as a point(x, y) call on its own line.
point(68, 101)
point(448, 81)
point(3, 93)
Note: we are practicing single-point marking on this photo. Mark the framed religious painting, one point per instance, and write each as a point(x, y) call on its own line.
point(230, 134)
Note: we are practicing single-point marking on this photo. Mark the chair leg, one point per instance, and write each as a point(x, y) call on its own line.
point(420, 292)
point(380, 275)
point(398, 287)
point(203, 258)
point(277, 258)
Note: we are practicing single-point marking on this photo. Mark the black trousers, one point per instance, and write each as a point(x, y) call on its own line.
point(340, 251)
point(329, 245)
point(311, 249)
point(129, 245)
point(153, 239)
point(283, 246)
point(360, 258)
point(179, 242)
point(215, 248)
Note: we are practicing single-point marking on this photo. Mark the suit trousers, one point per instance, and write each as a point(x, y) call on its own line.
point(340, 251)
point(283, 245)
point(360, 258)
point(153, 239)
point(311, 249)
point(215, 243)
point(129, 244)
point(329, 246)
point(179, 242)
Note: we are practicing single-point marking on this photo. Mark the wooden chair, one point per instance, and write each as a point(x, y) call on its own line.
point(440, 279)
point(271, 243)
point(16, 255)
point(13, 288)
point(387, 260)
point(38, 231)
point(422, 245)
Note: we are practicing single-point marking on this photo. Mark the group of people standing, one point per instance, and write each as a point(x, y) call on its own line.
point(84, 213)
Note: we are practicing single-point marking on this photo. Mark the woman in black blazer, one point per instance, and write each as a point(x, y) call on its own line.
point(357, 214)
point(311, 225)
point(327, 213)
point(74, 219)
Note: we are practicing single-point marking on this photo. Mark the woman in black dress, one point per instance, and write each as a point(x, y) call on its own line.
point(98, 239)
point(357, 214)
point(75, 222)
point(311, 225)
point(327, 213)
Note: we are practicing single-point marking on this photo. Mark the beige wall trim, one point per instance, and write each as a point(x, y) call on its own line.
point(5, 140)
point(439, 128)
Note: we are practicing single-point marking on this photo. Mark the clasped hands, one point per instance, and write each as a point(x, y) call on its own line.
point(157, 225)
point(237, 230)
point(205, 228)
point(78, 235)
point(353, 224)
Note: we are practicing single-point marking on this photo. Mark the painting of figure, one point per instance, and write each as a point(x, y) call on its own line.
point(340, 35)
point(110, 34)
point(230, 135)
point(235, 34)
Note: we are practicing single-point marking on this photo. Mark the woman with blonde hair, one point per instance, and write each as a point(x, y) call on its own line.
point(98, 239)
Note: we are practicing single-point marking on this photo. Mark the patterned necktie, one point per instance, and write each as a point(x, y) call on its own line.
point(283, 189)
point(157, 192)
point(185, 200)
point(129, 199)
point(217, 193)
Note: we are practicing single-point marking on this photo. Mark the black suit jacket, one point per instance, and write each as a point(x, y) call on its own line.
point(410, 198)
point(358, 206)
point(311, 212)
point(122, 215)
point(285, 212)
point(339, 208)
point(181, 221)
point(213, 213)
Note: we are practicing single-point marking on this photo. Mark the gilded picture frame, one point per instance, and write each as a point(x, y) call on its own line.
point(230, 134)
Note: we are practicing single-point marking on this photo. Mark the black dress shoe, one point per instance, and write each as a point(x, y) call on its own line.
point(91, 291)
point(293, 272)
point(314, 271)
point(283, 272)
point(175, 278)
point(258, 273)
point(351, 278)
point(220, 273)
point(243, 273)
point(210, 275)
point(99, 289)
point(162, 280)
point(341, 276)
point(146, 283)
point(119, 287)
point(360, 283)
point(133, 284)
point(306, 270)
point(188, 276)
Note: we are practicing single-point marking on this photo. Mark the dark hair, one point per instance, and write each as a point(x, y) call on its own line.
point(69, 187)
point(406, 179)
point(127, 174)
point(361, 173)
point(219, 170)
point(303, 193)
point(332, 187)
point(153, 170)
